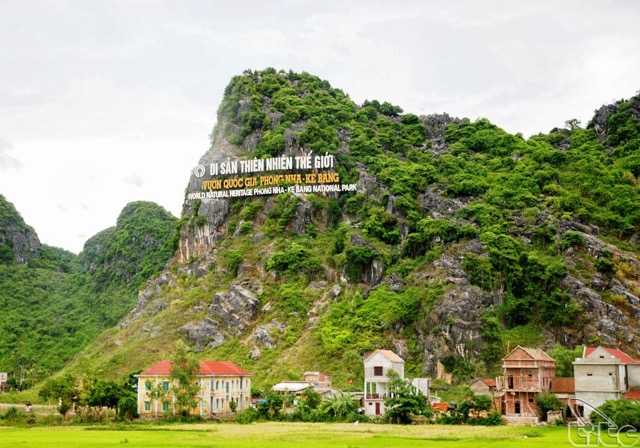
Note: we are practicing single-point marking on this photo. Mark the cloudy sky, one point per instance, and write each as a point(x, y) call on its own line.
point(107, 102)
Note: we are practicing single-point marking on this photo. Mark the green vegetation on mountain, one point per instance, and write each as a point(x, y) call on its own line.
point(121, 258)
point(55, 303)
point(461, 242)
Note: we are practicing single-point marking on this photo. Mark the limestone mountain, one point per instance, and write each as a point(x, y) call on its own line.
point(446, 240)
point(54, 303)
point(18, 241)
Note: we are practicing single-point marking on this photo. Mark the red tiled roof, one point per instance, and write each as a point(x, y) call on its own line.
point(563, 385)
point(440, 407)
point(632, 395)
point(489, 382)
point(617, 353)
point(206, 368)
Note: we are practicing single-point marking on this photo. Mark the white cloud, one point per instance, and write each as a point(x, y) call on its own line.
point(7, 160)
point(108, 103)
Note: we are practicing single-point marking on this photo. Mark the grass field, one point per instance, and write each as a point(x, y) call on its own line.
point(284, 435)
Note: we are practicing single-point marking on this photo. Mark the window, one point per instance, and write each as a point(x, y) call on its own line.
point(530, 400)
point(147, 406)
point(147, 386)
point(217, 385)
point(165, 406)
point(589, 374)
point(377, 371)
point(227, 386)
point(165, 385)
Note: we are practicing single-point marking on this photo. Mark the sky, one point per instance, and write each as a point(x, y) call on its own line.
point(103, 103)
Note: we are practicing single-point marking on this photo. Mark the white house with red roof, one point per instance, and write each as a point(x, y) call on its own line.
point(604, 374)
point(220, 382)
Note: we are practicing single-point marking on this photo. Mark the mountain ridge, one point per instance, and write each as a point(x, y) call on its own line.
point(459, 241)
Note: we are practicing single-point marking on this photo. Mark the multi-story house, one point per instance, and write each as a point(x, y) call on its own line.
point(525, 373)
point(604, 374)
point(376, 381)
point(219, 383)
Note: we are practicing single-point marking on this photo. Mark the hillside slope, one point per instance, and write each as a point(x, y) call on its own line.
point(446, 240)
point(55, 303)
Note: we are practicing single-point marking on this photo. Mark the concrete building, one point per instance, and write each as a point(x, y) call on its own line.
point(603, 374)
point(376, 382)
point(219, 383)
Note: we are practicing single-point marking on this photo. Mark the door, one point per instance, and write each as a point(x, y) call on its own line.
point(517, 407)
point(377, 408)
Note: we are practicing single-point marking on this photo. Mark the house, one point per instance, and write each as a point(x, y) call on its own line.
point(484, 386)
point(320, 382)
point(604, 374)
point(376, 382)
point(4, 386)
point(565, 389)
point(525, 373)
point(487, 387)
point(318, 379)
point(219, 382)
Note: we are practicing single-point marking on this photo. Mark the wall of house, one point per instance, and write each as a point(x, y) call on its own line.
point(480, 388)
point(527, 401)
point(380, 360)
point(597, 376)
point(214, 396)
point(633, 375)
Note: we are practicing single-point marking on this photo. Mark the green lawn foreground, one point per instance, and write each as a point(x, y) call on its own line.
point(284, 435)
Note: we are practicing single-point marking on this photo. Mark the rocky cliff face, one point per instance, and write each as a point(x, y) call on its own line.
point(266, 274)
point(18, 241)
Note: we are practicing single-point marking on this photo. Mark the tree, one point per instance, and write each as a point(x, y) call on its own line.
point(128, 408)
point(572, 124)
point(621, 412)
point(340, 407)
point(105, 394)
point(185, 390)
point(405, 400)
point(547, 401)
point(564, 359)
point(155, 392)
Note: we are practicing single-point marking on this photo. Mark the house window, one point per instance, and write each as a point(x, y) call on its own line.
point(227, 386)
point(217, 385)
point(517, 407)
point(147, 386)
point(165, 406)
point(530, 400)
point(165, 385)
point(589, 374)
point(377, 371)
point(147, 406)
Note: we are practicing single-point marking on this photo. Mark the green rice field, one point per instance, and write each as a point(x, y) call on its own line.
point(284, 435)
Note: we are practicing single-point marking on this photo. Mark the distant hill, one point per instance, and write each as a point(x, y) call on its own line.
point(54, 303)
